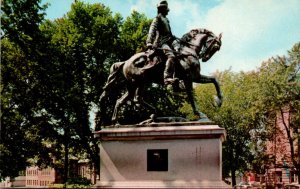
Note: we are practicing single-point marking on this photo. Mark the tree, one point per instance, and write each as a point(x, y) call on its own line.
point(279, 99)
point(20, 53)
point(82, 40)
point(20, 21)
point(52, 73)
point(133, 35)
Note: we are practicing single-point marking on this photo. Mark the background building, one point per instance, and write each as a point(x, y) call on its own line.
point(281, 170)
point(35, 177)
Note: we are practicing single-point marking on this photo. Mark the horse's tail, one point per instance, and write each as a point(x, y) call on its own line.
point(115, 69)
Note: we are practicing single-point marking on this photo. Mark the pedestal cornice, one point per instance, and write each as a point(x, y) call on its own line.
point(161, 131)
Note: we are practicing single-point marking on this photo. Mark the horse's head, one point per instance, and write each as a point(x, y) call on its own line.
point(202, 43)
point(211, 46)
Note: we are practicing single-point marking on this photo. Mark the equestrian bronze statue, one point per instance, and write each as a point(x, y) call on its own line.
point(148, 67)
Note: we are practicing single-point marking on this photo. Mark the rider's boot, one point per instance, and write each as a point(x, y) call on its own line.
point(169, 72)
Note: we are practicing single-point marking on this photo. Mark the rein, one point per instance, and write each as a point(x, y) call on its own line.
point(179, 53)
point(188, 43)
point(201, 54)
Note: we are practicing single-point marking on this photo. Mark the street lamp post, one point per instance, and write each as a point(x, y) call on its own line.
point(298, 162)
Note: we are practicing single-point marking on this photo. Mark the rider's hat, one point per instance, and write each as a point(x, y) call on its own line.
point(163, 4)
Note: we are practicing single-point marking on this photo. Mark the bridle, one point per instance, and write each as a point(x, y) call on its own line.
point(215, 40)
point(203, 51)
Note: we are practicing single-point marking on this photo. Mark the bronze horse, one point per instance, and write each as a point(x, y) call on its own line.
point(148, 67)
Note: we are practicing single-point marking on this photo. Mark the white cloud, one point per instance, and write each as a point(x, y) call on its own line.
point(180, 8)
point(253, 29)
point(144, 6)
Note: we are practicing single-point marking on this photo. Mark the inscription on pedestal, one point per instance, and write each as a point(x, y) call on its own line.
point(157, 160)
point(198, 155)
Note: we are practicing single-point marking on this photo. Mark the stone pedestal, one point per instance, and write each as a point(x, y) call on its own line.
point(168, 155)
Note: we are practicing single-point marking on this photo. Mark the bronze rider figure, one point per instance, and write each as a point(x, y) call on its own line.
point(160, 36)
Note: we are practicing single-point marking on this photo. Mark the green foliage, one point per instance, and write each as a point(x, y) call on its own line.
point(52, 72)
point(235, 117)
point(69, 186)
point(133, 35)
point(19, 54)
point(79, 180)
point(82, 40)
point(23, 125)
point(278, 98)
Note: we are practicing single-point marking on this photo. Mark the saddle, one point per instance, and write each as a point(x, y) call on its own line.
point(146, 60)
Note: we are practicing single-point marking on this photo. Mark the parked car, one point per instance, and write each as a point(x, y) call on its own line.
point(292, 186)
point(243, 185)
point(248, 185)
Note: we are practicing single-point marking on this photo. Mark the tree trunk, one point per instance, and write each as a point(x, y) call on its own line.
point(66, 160)
point(233, 178)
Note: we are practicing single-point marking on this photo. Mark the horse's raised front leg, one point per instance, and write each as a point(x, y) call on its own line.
point(189, 91)
point(129, 94)
point(209, 79)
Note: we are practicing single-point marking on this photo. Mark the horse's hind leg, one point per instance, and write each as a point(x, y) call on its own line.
point(102, 97)
point(129, 94)
point(103, 116)
point(139, 99)
point(113, 75)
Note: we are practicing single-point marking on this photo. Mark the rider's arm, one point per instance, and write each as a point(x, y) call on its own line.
point(152, 32)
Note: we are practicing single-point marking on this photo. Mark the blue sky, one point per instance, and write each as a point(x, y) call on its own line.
point(253, 30)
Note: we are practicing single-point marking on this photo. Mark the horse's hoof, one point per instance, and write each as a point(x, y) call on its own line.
point(114, 122)
point(202, 115)
point(217, 101)
point(152, 116)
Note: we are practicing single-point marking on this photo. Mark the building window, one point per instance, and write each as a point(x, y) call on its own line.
point(292, 176)
point(46, 171)
point(157, 160)
point(278, 176)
